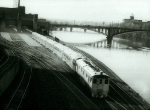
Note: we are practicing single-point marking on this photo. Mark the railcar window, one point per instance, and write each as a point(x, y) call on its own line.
point(106, 81)
point(90, 79)
point(94, 81)
point(100, 81)
point(74, 62)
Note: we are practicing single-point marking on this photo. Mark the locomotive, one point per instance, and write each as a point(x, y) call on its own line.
point(90, 75)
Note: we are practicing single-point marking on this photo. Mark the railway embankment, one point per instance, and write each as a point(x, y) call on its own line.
point(9, 65)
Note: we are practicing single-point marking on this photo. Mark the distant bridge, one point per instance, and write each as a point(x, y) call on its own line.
point(106, 30)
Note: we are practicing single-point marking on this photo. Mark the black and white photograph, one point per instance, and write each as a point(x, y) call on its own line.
point(74, 54)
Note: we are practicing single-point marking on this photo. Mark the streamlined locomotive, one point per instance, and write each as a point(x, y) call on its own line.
point(90, 75)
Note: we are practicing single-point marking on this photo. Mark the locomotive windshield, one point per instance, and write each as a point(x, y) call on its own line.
point(106, 81)
point(100, 80)
point(94, 81)
point(97, 81)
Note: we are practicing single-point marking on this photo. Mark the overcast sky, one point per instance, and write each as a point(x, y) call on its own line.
point(89, 10)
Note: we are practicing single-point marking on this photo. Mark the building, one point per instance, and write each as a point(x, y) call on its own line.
point(132, 23)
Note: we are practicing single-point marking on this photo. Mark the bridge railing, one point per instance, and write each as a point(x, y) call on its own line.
point(77, 22)
point(102, 24)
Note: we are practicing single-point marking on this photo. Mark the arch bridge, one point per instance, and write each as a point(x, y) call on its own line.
point(106, 30)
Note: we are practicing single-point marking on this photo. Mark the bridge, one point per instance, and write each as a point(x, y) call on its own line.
point(109, 31)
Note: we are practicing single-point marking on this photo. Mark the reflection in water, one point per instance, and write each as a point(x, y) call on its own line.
point(129, 60)
point(120, 44)
point(103, 44)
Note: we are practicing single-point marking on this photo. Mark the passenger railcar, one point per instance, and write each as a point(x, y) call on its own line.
point(58, 49)
point(70, 57)
point(49, 44)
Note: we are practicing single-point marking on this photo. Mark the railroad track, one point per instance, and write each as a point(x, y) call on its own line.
point(70, 86)
point(88, 104)
point(19, 93)
point(64, 68)
point(84, 100)
point(6, 59)
point(50, 90)
point(126, 97)
point(110, 98)
point(79, 95)
point(101, 103)
point(1, 56)
point(68, 70)
point(8, 63)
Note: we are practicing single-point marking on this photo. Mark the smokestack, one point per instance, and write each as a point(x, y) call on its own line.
point(18, 3)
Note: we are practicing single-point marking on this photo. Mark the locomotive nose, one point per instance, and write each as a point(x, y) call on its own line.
point(99, 93)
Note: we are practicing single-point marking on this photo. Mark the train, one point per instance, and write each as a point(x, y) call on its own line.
point(89, 74)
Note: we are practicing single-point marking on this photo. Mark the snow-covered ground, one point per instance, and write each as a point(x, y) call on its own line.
point(6, 36)
point(29, 40)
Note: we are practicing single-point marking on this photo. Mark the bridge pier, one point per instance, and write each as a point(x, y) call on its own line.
point(65, 29)
point(101, 44)
point(97, 44)
point(70, 29)
point(117, 31)
point(60, 29)
point(35, 19)
point(114, 31)
point(98, 30)
point(113, 43)
point(109, 40)
point(102, 30)
point(109, 37)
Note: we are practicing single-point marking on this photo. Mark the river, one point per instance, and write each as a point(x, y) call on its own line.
point(131, 65)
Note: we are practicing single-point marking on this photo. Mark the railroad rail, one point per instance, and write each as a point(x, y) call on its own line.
point(8, 63)
point(124, 95)
point(40, 58)
point(20, 91)
point(79, 95)
point(83, 99)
